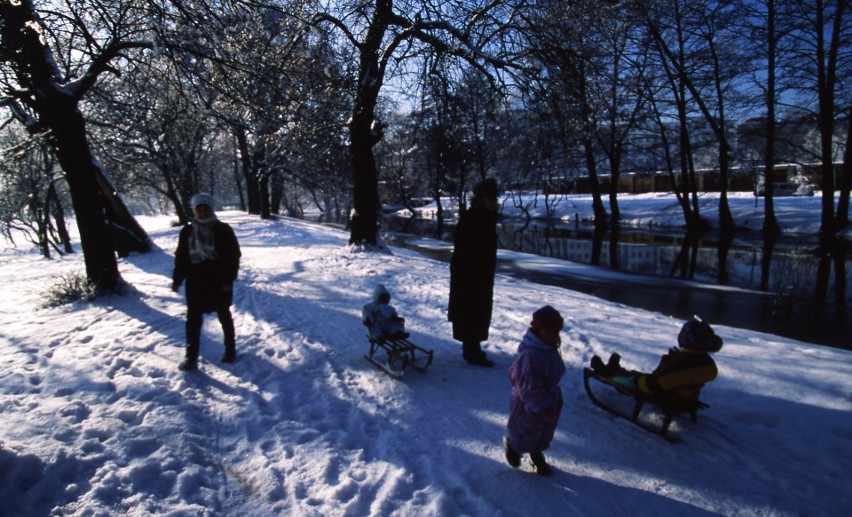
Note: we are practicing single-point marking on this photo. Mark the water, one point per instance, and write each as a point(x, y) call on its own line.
point(673, 275)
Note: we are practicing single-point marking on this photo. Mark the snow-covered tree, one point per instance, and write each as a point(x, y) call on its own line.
point(50, 59)
point(385, 35)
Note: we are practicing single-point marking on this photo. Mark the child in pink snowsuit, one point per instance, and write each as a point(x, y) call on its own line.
point(536, 400)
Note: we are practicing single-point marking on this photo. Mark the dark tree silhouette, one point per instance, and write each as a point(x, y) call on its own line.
point(46, 101)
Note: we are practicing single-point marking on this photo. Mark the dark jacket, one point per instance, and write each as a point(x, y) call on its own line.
point(472, 274)
point(681, 371)
point(204, 281)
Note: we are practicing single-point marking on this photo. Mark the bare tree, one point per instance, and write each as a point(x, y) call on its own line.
point(702, 55)
point(563, 43)
point(153, 126)
point(822, 55)
point(30, 201)
point(760, 19)
point(623, 63)
point(845, 182)
point(43, 89)
point(385, 34)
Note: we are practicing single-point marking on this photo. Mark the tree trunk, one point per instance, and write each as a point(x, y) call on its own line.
point(237, 181)
point(265, 212)
point(615, 165)
point(614, 236)
point(597, 201)
point(845, 180)
point(365, 193)
point(95, 202)
point(249, 172)
point(826, 60)
point(59, 215)
point(770, 222)
point(726, 219)
point(769, 240)
point(365, 131)
point(840, 247)
point(87, 198)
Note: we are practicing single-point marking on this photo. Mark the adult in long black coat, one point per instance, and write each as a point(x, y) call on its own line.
point(208, 258)
point(472, 273)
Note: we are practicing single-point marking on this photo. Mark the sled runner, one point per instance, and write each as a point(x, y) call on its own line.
point(670, 406)
point(394, 355)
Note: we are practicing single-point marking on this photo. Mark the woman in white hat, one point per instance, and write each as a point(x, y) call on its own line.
point(208, 258)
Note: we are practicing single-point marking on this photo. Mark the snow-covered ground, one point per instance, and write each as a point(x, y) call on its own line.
point(97, 419)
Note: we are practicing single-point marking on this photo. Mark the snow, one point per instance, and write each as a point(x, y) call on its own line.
point(98, 420)
point(795, 214)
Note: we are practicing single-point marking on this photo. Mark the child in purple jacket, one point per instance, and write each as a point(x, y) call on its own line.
point(536, 400)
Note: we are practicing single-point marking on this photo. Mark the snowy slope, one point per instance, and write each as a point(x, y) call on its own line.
point(97, 419)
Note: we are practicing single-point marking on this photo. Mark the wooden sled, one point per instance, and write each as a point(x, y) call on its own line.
point(671, 406)
point(394, 355)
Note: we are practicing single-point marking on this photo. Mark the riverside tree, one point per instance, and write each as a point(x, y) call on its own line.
point(384, 34)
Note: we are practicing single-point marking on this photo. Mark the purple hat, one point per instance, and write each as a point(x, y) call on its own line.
point(547, 317)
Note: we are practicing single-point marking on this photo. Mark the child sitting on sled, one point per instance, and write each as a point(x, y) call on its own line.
point(381, 318)
point(682, 372)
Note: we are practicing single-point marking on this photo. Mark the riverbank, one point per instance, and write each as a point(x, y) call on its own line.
point(797, 215)
point(768, 292)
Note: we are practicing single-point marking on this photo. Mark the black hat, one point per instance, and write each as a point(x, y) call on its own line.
point(698, 335)
point(547, 317)
point(486, 188)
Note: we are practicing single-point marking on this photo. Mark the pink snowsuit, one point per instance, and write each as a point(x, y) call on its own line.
point(536, 400)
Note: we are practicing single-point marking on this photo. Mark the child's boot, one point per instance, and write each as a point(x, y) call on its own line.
point(539, 464)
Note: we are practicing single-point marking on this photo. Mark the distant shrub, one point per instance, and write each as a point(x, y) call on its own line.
point(71, 288)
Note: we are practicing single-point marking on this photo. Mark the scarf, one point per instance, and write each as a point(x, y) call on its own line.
point(201, 242)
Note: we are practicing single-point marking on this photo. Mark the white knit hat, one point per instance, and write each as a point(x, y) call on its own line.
point(203, 199)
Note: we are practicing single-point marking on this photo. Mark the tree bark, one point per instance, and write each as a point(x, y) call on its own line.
point(249, 172)
point(365, 131)
point(770, 222)
point(845, 180)
point(826, 61)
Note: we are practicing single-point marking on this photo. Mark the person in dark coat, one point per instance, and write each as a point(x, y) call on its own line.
point(208, 258)
point(536, 400)
point(472, 273)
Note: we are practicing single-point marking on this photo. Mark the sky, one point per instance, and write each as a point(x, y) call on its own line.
point(97, 420)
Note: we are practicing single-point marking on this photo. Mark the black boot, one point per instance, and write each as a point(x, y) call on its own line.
point(190, 362)
point(513, 457)
point(473, 354)
point(481, 361)
point(539, 464)
point(614, 363)
point(189, 365)
point(470, 350)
